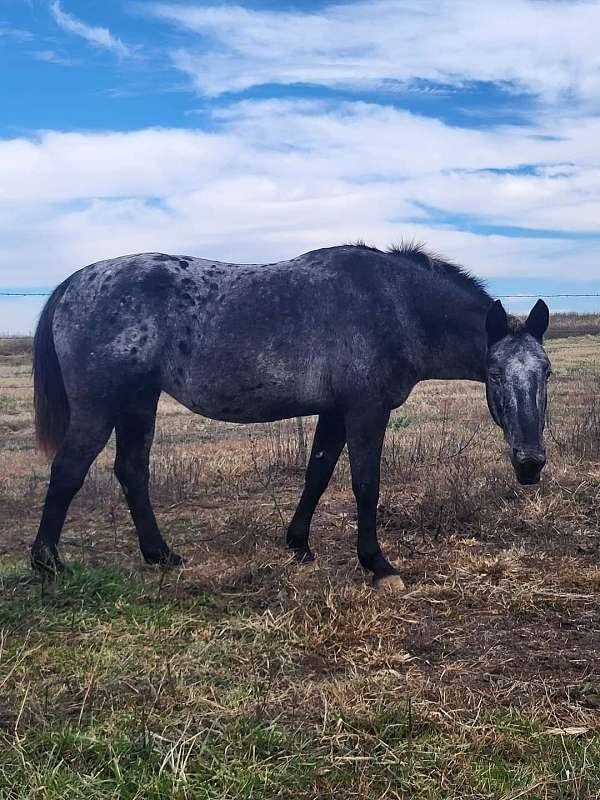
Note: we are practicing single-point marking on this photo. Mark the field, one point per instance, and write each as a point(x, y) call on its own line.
point(246, 676)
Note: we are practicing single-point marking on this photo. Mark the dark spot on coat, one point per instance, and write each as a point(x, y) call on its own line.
point(188, 297)
point(183, 264)
point(162, 257)
point(143, 327)
point(184, 347)
point(143, 340)
point(133, 351)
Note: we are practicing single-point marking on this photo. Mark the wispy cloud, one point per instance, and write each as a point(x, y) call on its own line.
point(96, 36)
point(525, 45)
point(18, 34)
point(52, 57)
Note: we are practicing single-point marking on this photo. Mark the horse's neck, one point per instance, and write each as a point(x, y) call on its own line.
point(457, 351)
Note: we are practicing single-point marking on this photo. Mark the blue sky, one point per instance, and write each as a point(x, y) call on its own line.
point(260, 130)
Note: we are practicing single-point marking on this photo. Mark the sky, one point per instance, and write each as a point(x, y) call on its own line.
point(257, 131)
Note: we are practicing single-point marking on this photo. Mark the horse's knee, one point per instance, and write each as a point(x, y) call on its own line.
point(66, 477)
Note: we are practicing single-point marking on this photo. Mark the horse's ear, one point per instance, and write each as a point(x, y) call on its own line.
point(496, 323)
point(538, 319)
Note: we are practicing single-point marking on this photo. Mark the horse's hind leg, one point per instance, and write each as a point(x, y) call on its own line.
point(366, 431)
point(85, 438)
point(135, 432)
point(330, 437)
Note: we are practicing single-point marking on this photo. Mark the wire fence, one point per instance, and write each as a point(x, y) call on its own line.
point(501, 296)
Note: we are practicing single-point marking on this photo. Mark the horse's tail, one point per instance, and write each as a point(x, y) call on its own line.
point(50, 400)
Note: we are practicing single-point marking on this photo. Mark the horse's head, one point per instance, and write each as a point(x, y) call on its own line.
point(516, 378)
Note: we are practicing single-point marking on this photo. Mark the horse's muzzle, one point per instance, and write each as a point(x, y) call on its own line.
point(528, 465)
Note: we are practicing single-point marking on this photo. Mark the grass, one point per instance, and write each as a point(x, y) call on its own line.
point(76, 600)
point(246, 758)
point(246, 676)
point(106, 702)
point(5, 402)
point(399, 421)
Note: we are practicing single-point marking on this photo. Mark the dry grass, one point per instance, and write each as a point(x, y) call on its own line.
point(246, 676)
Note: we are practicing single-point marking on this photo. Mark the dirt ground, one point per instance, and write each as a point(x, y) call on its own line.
point(500, 621)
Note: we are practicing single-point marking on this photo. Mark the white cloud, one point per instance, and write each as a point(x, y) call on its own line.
point(19, 34)
point(52, 57)
point(279, 178)
point(547, 48)
point(96, 36)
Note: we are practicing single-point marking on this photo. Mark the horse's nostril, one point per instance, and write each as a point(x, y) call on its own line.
point(533, 458)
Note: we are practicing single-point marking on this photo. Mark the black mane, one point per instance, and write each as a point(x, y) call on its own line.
point(417, 253)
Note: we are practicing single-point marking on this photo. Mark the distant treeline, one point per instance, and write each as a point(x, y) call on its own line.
point(570, 323)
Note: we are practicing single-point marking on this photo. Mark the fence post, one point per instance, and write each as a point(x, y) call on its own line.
point(301, 442)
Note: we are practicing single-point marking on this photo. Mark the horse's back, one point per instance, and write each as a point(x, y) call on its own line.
point(233, 341)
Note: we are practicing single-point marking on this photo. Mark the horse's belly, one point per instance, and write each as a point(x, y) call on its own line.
point(248, 391)
point(249, 409)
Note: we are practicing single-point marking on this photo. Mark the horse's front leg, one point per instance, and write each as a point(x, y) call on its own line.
point(365, 430)
point(330, 437)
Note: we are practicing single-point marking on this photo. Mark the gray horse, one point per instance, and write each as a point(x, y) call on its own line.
point(344, 333)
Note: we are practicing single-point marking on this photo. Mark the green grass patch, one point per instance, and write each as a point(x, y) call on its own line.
point(7, 403)
point(247, 759)
point(242, 759)
point(82, 597)
point(400, 421)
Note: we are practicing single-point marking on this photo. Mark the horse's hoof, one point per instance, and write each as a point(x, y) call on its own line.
point(390, 583)
point(167, 560)
point(46, 561)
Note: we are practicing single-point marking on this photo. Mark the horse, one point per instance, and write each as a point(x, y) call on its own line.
point(343, 333)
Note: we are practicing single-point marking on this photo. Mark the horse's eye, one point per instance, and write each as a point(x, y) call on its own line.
point(548, 374)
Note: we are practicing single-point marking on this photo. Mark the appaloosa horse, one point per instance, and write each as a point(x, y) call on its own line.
point(342, 332)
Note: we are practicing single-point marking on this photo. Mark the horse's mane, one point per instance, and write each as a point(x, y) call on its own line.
point(417, 253)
